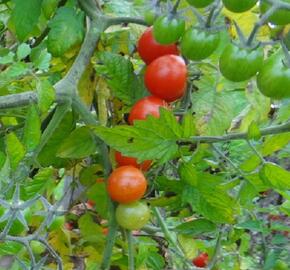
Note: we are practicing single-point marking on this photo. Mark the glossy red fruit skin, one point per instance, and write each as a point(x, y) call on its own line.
point(201, 260)
point(149, 49)
point(126, 184)
point(146, 106)
point(123, 161)
point(166, 77)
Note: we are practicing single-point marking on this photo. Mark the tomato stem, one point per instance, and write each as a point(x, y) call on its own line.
point(130, 241)
point(261, 22)
point(175, 7)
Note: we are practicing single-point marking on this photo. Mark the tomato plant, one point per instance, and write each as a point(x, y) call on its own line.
point(201, 260)
point(200, 3)
point(238, 64)
point(280, 16)
point(168, 29)
point(149, 49)
point(239, 6)
point(146, 106)
point(199, 44)
point(132, 216)
point(124, 160)
point(126, 184)
point(166, 77)
point(273, 80)
point(91, 97)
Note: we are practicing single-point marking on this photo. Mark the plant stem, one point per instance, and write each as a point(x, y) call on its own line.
point(216, 250)
point(130, 242)
point(168, 235)
point(277, 129)
point(261, 22)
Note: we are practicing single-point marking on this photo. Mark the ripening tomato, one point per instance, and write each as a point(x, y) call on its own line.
point(273, 80)
point(280, 16)
point(200, 3)
point(166, 77)
point(132, 216)
point(146, 106)
point(123, 161)
point(149, 49)
point(197, 45)
point(239, 64)
point(126, 184)
point(201, 260)
point(167, 29)
point(239, 6)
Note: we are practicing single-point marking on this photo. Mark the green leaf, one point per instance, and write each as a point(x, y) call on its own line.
point(25, 16)
point(196, 227)
point(188, 173)
point(154, 138)
point(275, 176)
point(188, 126)
point(214, 110)
point(254, 132)
point(10, 248)
point(23, 50)
point(98, 194)
point(40, 58)
point(79, 144)
point(211, 201)
point(66, 31)
point(14, 149)
point(39, 183)
point(47, 156)
point(275, 143)
point(46, 95)
point(48, 7)
point(90, 231)
point(119, 74)
point(253, 225)
point(32, 129)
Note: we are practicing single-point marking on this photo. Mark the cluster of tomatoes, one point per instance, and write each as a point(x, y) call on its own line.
point(237, 63)
point(165, 78)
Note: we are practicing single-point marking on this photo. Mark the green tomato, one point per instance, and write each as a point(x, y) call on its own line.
point(239, 6)
point(168, 30)
point(37, 247)
point(132, 216)
point(239, 64)
point(280, 16)
point(273, 80)
point(200, 3)
point(197, 45)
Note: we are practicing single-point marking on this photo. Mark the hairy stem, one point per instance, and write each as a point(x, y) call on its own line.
point(130, 242)
point(277, 129)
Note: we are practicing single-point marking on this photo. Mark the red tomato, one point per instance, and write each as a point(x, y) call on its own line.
point(146, 106)
point(90, 204)
point(126, 184)
point(166, 76)
point(201, 260)
point(69, 226)
point(105, 231)
point(149, 49)
point(123, 161)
